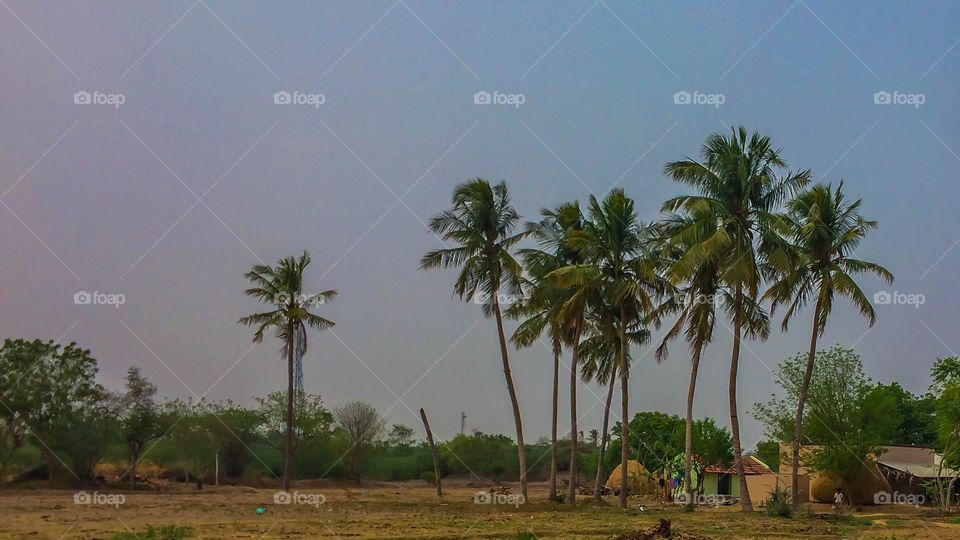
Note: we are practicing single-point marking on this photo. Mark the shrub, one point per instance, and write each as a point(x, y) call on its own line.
point(779, 503)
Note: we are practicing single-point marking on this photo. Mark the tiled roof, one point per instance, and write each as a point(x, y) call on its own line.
point(751, 465)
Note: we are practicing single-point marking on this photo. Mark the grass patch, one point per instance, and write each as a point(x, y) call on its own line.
point(167, 532)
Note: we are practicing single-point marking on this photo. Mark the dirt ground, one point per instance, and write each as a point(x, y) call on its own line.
point(411, 510)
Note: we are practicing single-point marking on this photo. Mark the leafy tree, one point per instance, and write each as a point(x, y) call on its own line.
point(769, 452)
point(481, 224)
point(847, 418)
point(362, 426)
point(918, 427)
point(946, 390)
point(400, 436)
point(815, 263)
point(741, 182)
point(141, 419)
point(480, 454)
point(281, 287)
point(311, 418)
point(44, 386)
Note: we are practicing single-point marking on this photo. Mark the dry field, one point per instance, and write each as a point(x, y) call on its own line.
point(410, 510)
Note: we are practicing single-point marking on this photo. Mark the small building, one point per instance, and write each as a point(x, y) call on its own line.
point(724, 481)
point(909, 468)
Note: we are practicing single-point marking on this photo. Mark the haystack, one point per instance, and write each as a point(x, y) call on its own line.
point(860, 490)
point(638, 479)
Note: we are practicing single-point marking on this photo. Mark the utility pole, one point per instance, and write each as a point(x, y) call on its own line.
point(463, 421)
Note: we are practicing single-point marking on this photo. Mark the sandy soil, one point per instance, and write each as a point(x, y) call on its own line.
point(411, 510)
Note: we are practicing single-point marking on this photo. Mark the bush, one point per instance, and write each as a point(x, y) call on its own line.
point(779, 503)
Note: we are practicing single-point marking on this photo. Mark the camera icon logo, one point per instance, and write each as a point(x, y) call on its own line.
point(882, 297)
point(682, 98)
point(82, 298)
point(282, 98)
point(482, 98)
point(882, 98)
point(82, 98)
point(282, 497)
point(482, 497)
point(881, 497)
point(81, 497)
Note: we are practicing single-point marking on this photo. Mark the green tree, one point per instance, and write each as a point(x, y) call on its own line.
point(400, 436)
point(768, 451)
point(281, 287)
point(482, 224)
point(141, 419)
point(846, 417)
point(612, 245)
point(480, 454)
point(741, 183)
point(815, 263)
point(918, 427)
point(45, 387)
point(946, 390)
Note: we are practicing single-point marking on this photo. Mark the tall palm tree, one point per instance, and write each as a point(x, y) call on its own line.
point(482, 224)
point(544, 300)
point(817, 264)
point(281, 286)
point(694, 304)
point(612, 245)
point(741, 182)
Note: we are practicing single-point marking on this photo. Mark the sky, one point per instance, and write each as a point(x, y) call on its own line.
point(149, 150)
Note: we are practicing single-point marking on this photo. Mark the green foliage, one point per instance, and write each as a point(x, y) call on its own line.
point(846, 416)
point(778, 504)
point(488, 456)
point(656, 438)
point(769, 453)
point(917, 426)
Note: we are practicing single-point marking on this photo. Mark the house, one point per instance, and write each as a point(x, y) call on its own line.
point(723, 481)
point(909, 468)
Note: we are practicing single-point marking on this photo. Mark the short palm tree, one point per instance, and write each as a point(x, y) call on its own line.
point(599, 355)
point(546, 305)
point(741, 183)
point(816, 264)
point(482, 223)
point(612, 245)
point(281, 286)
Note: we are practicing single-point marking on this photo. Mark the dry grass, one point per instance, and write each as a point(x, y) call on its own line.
point(410, 510)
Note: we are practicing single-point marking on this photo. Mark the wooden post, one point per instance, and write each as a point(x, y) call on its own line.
point(433, 452)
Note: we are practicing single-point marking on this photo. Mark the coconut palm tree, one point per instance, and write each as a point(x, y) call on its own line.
point(694, 304)
point(599, 354)
point(612, 245)
point(544, 299)
point(281, 287)
point(741, 181)
point(482, 224)
point(817, 264)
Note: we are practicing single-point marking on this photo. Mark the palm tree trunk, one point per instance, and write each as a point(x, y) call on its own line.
point(745, 502)
point(574, 362)
point(624, 410)
point(801, 402)
point(288, 448)
point(521, 448)
point(688, 436)
point(553, 426)
point(603, 438)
